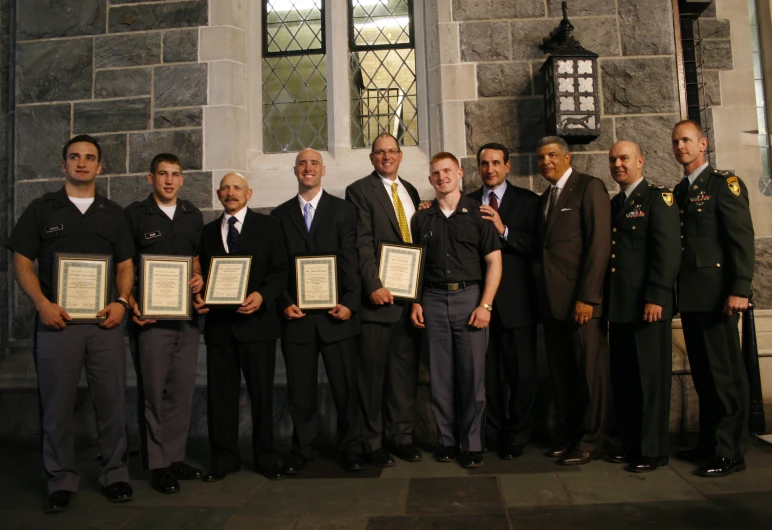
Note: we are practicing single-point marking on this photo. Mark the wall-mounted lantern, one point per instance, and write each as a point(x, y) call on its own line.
point(571, 91)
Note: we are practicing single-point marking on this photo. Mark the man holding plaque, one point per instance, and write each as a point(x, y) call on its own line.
point(166, 350)
point(241, 338)
point(461, 275)
point(387, 371)
point(317, 223)
point(78, 221)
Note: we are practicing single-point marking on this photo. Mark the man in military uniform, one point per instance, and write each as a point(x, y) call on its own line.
point(714, 283)
point(76, 219)
point(166, 351)
point(640, 301)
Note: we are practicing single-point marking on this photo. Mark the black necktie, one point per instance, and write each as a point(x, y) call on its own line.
point(233, 235)
point(553, 199)
point(682, 190)
point(618, 204)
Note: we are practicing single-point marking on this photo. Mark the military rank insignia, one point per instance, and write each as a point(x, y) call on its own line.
point(668, 198)
point(734, 185)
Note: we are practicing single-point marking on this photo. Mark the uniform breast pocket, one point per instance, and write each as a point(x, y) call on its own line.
point(634, 232)
point(108, 238)
point(706, 219)
point(151, 236)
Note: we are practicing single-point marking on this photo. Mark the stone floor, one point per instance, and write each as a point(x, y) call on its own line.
point(530, 493)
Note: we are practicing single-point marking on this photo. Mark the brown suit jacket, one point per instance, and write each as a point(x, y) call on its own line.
point(575, 247)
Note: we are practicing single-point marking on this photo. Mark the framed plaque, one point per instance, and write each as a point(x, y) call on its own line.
point(82, 284)
point(164, 289)
point(317, 282)
point(400, 269)
point(226, 283)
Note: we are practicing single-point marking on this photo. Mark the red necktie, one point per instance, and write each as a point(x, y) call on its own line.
point(494, 202)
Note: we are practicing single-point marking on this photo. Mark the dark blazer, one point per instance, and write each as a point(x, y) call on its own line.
point(515, 302)
point(333, 231)
point(376, 221)
point(575, 247)
point(645, 255)
point(718, 241)
point(261, 237)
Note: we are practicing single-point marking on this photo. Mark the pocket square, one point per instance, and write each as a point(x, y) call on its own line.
point(566, 210)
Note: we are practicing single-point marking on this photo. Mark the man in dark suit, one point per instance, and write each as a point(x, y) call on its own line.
point(640, 301)
point(315, 222)
point(510, 364)
point(575, 247)
point(717, 256)
point(387, 372)
point(242, 339)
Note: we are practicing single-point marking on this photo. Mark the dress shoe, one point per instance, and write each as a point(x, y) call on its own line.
point(511, 451)
point(721, 467)
point(164, 481)
point(556, 452)
point(217, 474)
point(183, 471)
point(408, 453)
point(576, 457)
point(353, 462)
point(646, 464)
point(469, 459)
point(294, 463)
point(58, 501)
point(118, 492)
point(695, 454)
point(273, 471)
point(380, 458)
point(621, 457)
point(446, 454)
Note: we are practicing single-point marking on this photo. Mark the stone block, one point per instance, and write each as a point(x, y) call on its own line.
point(599, 35)
point(581, 8)
point(518, 124)
point(112, 116)
point(638, 86)
point(652, 133)
point(186, 144)
point(595, 165)
point(158, 16)
point(487, 9)
point(602, 143)
point(170, 119)
point(713, 28)
point(527, 35)
point(41, 132)
point(228, 13)
point(113, 153)
point(712, 87)
point(54, 70)
point(181, 46)
point(196, 188)
point(128, 50)
point(44, 19)
point(762, 283)
point(646, 27)
point(504, 79)
point(764, 247)
point(123, 83)
point(226, 138)
point(179, 85)
point(26, 192)
point(484, 41)
point(223, 43)
point(717, 54)
point(211, 215)
point(228, 83)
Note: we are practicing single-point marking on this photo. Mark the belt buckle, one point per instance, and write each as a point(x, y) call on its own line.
point(453, 287)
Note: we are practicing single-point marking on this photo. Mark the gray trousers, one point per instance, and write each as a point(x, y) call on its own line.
point(60, 356)
point(456, 366)
point(165, 361)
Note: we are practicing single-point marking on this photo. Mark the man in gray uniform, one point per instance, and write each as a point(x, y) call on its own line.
point(77, 220)
point(167, 351)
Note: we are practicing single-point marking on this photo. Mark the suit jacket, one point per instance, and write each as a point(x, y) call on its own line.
point(376, 221)
point(575, 247)
point(645, 255)
point(718, 241)
point(333, 231)
point(261, 237)
point(515, 302)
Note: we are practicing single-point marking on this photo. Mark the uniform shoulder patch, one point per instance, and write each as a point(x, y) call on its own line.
point(734, 185)
point(667, 196)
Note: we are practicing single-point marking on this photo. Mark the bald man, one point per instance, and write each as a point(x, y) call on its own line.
point(241, 338)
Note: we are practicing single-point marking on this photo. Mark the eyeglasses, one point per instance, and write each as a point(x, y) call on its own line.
point(390, 152)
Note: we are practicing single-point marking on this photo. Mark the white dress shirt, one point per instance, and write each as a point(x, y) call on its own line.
point(313, 202)
point(240, 215)
point(559, 185)
point(404, 197)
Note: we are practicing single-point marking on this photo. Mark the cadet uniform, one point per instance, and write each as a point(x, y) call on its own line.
point(643, 269)
point(53, 224)
point(717, 254)
point(453, 272)
point(167, 351)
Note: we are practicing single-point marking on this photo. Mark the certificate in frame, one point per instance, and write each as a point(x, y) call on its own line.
point(164, 287)
point(400, 269)
point(82, 285)
point(316, 279)
point(227, 280)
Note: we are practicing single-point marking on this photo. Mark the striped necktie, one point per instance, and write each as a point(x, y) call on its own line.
point(401, 217)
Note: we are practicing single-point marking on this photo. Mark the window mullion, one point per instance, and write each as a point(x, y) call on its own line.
point(339, 107)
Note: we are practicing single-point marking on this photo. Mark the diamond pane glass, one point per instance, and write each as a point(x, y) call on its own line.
point(294, 103)
point(293, 25)
point(380, 22)
point(383, 96)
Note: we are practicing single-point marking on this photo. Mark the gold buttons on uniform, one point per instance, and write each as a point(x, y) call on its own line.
point(613, 229)
point(682, 249)
point(699, 210)
point(682, 211)
point(613, 270)
point(613, 242)
point(718, 264)
point(682, 224)
point(633, 228)
point(613, 256)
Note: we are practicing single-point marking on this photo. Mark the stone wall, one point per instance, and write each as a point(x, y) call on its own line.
point(6, 44)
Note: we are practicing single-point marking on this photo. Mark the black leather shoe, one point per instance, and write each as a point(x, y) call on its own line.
point(58, 501)
point(408, 453)
point(556, 452)
point(380, 458)
point(118, 492)
point(695, 454)
point(353, 462)
point(446, 454)
point(646, 464)
point(576, 457)
point(469, 459)
point(217, 474)
point(621, 457)
point(273, 471)
point(721, 467)
point(164, 481)
point(511, 451)
point(294, 463)
point(183, 471)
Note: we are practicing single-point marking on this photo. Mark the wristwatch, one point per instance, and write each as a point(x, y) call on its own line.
point(487, 306)
point(123, 302)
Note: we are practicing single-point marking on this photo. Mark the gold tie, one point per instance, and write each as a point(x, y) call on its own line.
point(401, 217)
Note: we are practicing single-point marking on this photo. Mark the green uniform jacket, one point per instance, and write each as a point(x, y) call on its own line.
point(717, 250)
point(645, 255)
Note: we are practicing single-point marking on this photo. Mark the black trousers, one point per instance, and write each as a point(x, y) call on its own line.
point(510, 384)
point(718, 371)
point(225, 364)
point(641, 373)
